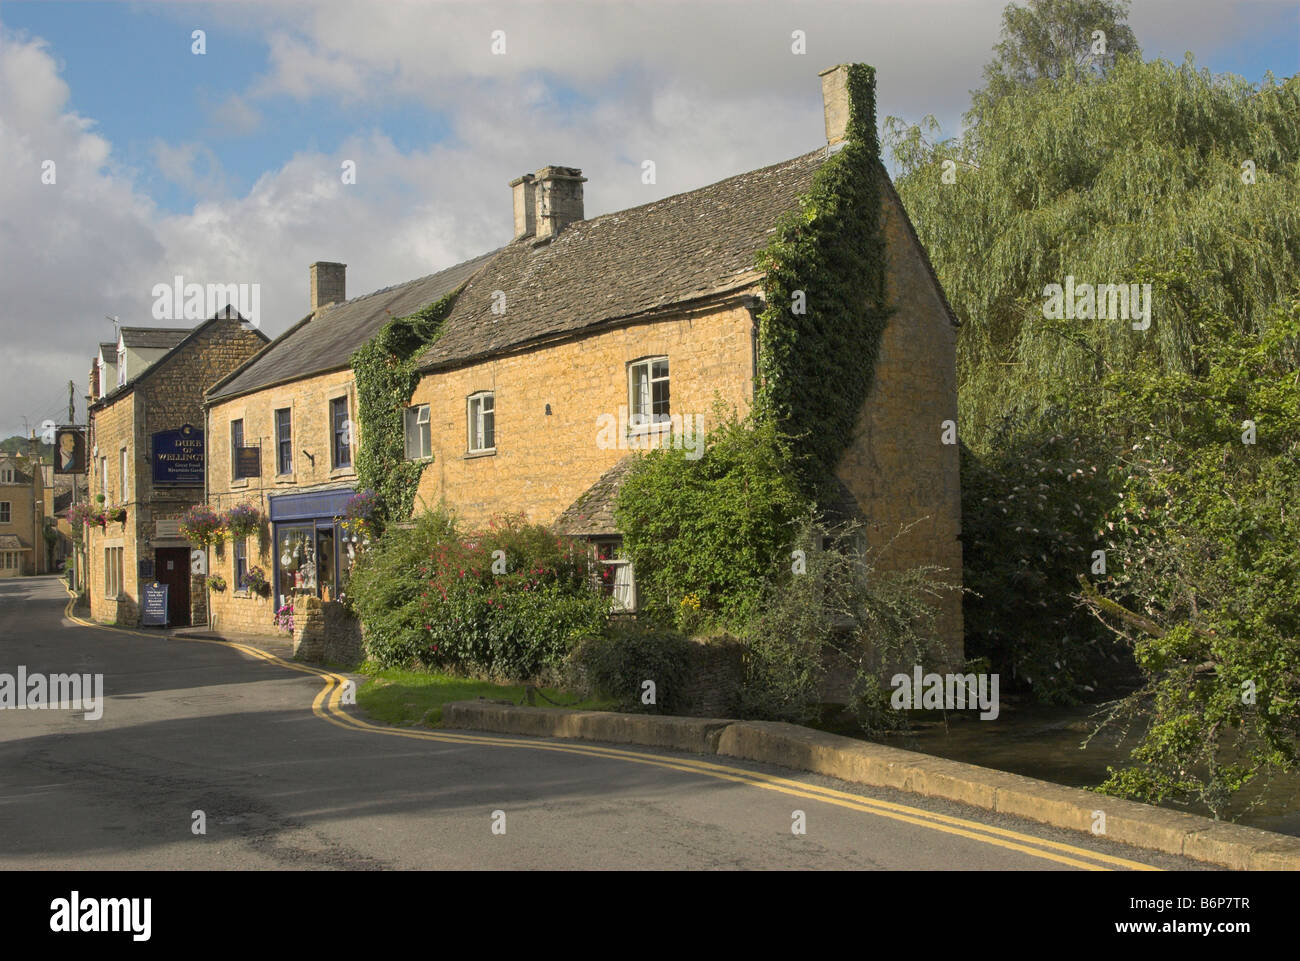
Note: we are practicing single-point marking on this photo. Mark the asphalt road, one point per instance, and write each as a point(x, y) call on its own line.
point(190, 726)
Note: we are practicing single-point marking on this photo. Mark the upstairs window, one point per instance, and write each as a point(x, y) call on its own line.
point(7, 475)
point(647, 391)
point(418, 441)
point(5, 512)
point(236, 442)
point(284, 441)
point(482, 422)
point(341, 427)
point(121, 367)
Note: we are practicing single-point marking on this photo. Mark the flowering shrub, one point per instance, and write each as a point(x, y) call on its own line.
point(510, 601)
point(284, 617)
point(242, 520)
point(201, 526)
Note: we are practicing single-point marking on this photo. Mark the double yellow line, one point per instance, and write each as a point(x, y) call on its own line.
point(328, 705)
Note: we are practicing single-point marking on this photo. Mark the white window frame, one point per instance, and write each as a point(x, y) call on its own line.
point(623, 599)
point(121, 367)
point(103, 477)
point(6, 512)
point(417, 429)
point(275, 426)
point(475, 416)
point(124, 469)
point(637, 418)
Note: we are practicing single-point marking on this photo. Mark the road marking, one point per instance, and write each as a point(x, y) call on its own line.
point(327, 705)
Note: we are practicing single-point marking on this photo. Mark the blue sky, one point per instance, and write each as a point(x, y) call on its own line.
point(225, 166)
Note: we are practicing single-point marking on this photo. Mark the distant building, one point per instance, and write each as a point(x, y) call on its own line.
point(24, 505)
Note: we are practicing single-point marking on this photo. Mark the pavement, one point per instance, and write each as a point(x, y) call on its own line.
point(281, 774)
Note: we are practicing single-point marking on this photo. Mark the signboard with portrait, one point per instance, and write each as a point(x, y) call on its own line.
point(178, 456)
point(70, 450)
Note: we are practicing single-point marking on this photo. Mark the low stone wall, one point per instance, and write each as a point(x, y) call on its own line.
point(342, 635)
point(715, 675)
point(325, 631)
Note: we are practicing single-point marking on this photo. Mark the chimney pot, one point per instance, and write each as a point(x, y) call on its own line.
point(328, 284)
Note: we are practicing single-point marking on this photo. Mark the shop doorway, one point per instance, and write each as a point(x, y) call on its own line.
point(172, 567)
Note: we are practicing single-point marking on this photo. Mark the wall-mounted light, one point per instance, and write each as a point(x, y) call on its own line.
point(548, 410)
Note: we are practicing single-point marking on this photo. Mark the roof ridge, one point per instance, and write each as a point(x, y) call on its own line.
point(408, 283)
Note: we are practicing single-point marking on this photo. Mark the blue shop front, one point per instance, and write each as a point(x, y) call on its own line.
point(313, 553)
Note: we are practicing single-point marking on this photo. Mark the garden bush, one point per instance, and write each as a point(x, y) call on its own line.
point(617, 662)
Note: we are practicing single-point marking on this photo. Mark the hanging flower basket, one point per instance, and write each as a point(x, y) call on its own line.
point(217, 582)
point(242, 520)
point(119, 515)
point(202, 526)
point(255, 580)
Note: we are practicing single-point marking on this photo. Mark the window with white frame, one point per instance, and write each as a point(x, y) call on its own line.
point(647, 384)
point(615, 577)
point(5, 512)
point(241, 564)
point(103, 478)
point(123, 468)
point(121, 367)
point(482, 422)
point(418, 441)
point(112, 572)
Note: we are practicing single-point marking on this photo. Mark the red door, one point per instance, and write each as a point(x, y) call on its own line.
point(172, 567)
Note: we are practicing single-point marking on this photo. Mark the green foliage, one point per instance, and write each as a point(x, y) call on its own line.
point(506, 602)
point(828, 259)
point(387, 584)
point(616, 662)
point(1029, 514)
point(703, 534)
point(830, 604)
point(1050, 39)
point(386, 375)
point(1103, 179)
point(1203, 550)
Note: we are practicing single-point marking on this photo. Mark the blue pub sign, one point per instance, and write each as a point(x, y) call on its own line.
point(178, 456)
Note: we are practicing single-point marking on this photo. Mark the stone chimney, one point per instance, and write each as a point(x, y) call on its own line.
point(328, 284)
point(835, 102)
point(525, 206)
point(559, 199)
point(94, 380)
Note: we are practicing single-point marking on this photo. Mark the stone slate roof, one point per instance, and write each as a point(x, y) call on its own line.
point(326, 341)
point(164, 338)
point(108, 351)
point(11, 542)
point(683, 248)
point(592, 514)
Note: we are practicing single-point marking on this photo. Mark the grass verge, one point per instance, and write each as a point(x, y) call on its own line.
point(410, 698)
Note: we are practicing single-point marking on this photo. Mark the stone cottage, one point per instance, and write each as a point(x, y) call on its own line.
point(582, 332)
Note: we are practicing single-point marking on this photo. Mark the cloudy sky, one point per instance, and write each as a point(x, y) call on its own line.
point(226, 167)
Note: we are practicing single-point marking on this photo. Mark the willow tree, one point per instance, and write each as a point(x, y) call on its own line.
point(1084, 176)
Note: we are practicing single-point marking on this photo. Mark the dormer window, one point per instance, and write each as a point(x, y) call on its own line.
point(121, 366)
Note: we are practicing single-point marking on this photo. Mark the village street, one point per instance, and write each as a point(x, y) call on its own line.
point(189, 726)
